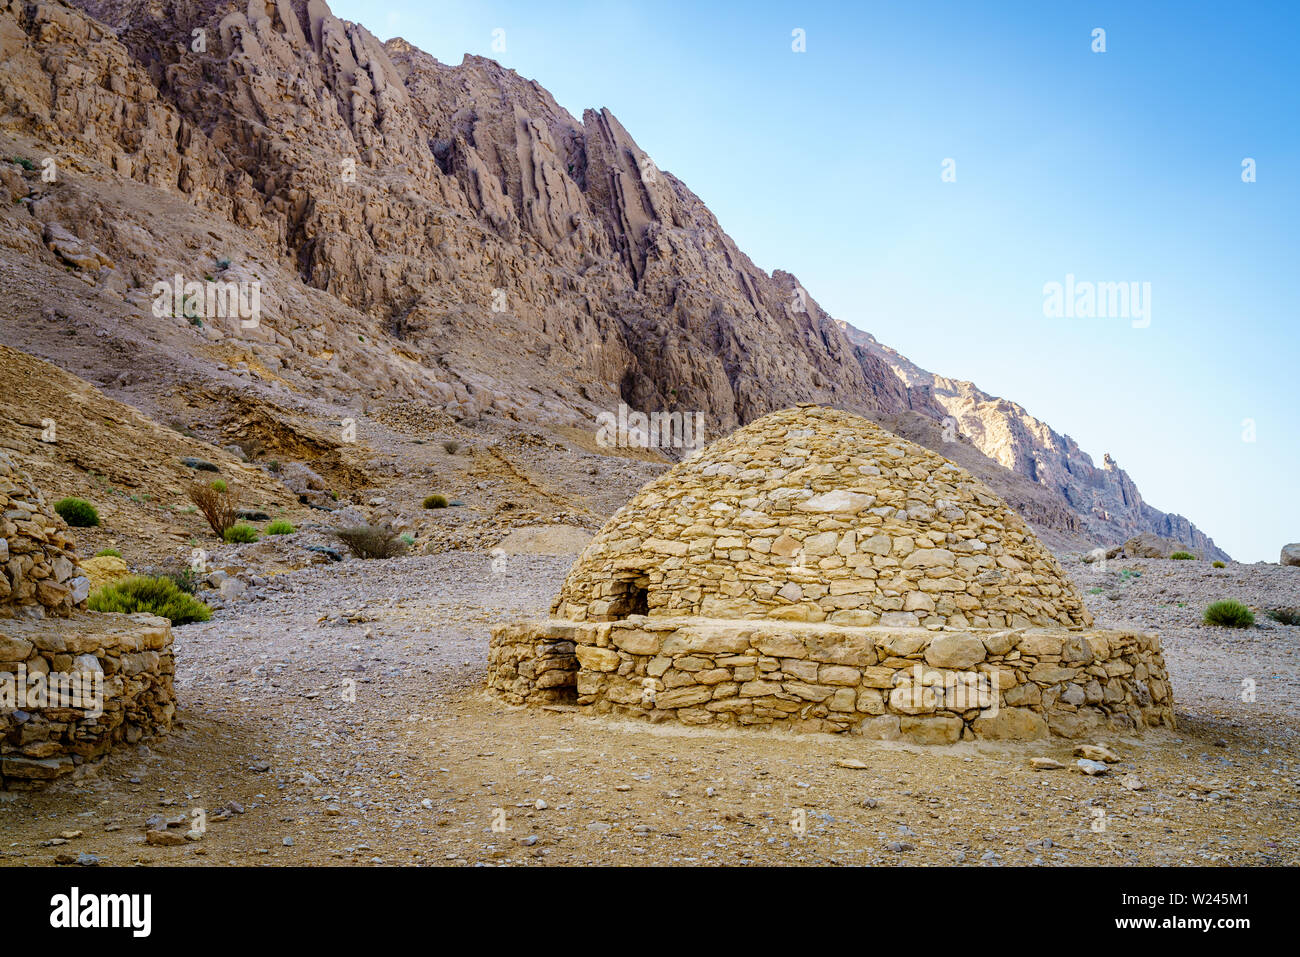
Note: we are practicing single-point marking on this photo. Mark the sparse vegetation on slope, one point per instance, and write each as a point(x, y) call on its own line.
point(216, 503)
point(77, 512)
point(371, 541)
point(157, 596)
point(1230, 614)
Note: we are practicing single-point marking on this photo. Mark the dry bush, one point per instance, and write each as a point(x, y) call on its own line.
point(372, 541)
point(216, 503)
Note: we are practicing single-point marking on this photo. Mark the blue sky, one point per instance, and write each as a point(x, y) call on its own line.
point(1115, 166)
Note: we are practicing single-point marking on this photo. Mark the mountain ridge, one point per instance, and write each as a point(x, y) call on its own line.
point(421, 232)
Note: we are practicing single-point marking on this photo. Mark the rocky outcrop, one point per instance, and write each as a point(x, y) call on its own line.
point(1108, 502)
point(1147, 545)
point(1290, 554)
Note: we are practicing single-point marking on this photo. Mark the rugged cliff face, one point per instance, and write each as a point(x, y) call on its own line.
point(417, 231)
point(1108, 503)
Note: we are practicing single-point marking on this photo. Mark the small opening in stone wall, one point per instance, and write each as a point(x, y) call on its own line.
point(631, 596)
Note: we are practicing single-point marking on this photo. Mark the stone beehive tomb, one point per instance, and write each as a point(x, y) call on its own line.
point(72, 682)
point(817, 570)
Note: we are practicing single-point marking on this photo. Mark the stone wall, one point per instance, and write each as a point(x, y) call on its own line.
point(124, 666)
point(39, 573)
point(72, 683)
point(925, 686)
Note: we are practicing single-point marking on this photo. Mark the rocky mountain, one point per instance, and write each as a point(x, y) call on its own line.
point(260, 199)
point(1105, 497)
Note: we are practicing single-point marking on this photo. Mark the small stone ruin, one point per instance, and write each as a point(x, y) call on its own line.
point(817, 571)
point(72, 682)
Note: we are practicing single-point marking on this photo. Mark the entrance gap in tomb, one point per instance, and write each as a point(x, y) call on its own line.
point(631, 596)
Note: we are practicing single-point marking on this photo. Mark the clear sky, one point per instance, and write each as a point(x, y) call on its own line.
point(1122, 166)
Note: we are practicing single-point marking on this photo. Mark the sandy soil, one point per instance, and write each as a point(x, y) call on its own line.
point(423, 764)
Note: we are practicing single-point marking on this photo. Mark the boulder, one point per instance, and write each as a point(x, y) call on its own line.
point(1290, 554)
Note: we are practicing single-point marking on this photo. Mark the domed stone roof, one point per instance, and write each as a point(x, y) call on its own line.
point(814, 570)
point(818, 515)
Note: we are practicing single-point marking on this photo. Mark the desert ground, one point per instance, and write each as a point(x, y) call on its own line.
point(334, 714)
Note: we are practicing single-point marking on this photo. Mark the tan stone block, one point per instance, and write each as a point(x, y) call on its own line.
point(712, 676)
point(885, 727)
point(918, 601)
point(1009, 724)
point(843, 700)
point(635, 641)
point(780, 645)
point(878, 677)
point(998, 643)
point(808, 692)
point(1036, 645)
point(838, 675)
point(899, 619)
point(683, 697)
point(797, 668)
point(902, 644)
point(955, 651)
point(878, 544)
point(936, 730)
point(785, 546)
point(929, 558)
point(1047, 674)
point(597, 659)
point(707, 640)
point(870, 700)
point(913, 699)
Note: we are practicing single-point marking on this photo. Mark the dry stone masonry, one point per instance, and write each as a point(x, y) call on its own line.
point(72, 682)
point(815, 569)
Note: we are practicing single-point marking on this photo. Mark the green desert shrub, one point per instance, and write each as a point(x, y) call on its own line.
point(1182, 556)
point(157, 596)
point(280, 527)
point(108, 553)
point(1230, 613)
point(436, 501)
point(77, 512)
point(186, 578)
point(1285, 616)
point(1220, 565)
point(372, 541)
point(239, 535)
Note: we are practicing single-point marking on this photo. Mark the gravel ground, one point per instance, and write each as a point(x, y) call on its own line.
point(422, 766)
